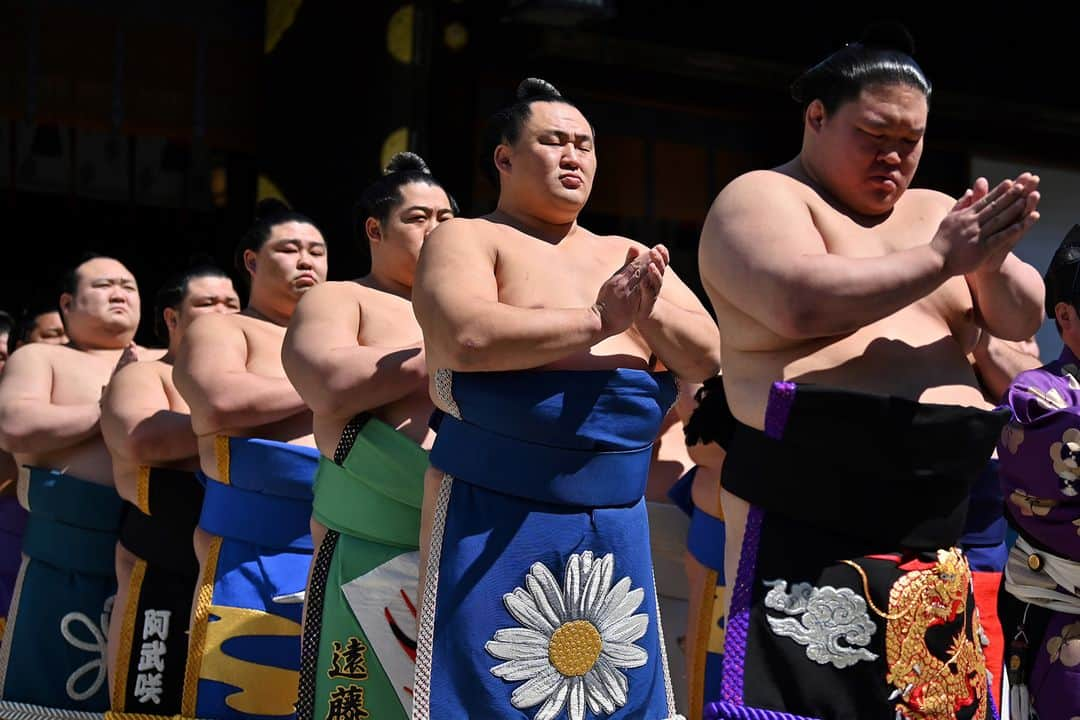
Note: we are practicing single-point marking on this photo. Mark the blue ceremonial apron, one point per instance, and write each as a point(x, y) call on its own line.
point(540, 582)
point(244, 651)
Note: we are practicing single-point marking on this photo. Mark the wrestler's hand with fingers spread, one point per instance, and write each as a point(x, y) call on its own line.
point(623, 296)
point(984, 225)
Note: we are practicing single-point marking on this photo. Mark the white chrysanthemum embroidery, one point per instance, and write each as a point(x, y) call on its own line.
point(573, 641)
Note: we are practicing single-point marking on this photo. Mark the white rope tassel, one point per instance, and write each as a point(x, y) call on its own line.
point(672, 713)
point(425, 640)
point(21, 711)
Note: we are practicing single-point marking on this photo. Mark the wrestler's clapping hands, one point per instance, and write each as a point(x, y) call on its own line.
point(632, 291)
point(984, 225)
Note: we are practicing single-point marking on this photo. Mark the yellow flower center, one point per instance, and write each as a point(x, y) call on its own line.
point(574, 648)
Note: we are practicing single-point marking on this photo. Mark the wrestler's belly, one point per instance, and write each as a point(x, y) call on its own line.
point(911, 355)
point(626, 350)
point(409, 416)
point(88, 461)
point(126, 475)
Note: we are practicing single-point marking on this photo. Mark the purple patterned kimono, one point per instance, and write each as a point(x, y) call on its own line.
point(1040, 601)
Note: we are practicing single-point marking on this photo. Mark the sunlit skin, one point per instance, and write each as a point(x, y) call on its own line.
point(831, 269)
point(104, 312)
point(50, 395)
point(866, 152)
point(145, 421)
point(229, 367)
point(527, 287)
point(204, 295)
point(356, 347)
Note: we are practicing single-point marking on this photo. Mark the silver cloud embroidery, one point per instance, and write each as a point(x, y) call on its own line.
point(832, 624)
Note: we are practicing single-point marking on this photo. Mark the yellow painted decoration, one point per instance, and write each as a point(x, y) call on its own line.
point(262, 689)
point(399, 34)
point(265, 188)
point(456, 36)
point(397, 141)
point(280, 15)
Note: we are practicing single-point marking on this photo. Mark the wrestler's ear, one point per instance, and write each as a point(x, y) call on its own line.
point(65, 302)
point(815, 115)
point(502, 158)
point(249, 261)
point(1065, 314)
point(373, 230)
point(172, 318)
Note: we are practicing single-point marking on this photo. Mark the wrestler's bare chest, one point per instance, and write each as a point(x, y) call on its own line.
point(918, 352)
point(912, 224)
point(534, 274)
point(78, 379)
point(264, 341)
point(388, 321)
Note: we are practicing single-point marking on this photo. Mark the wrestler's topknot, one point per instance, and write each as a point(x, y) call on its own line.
point(883, 56)
point(406, 162)
point(382, 196)
point(536, 89)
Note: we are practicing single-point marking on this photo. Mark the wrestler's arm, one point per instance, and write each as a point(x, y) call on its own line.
point(29, 421)
point(456, 301)
point(1008, 298)
point(762, 252)
point(137, 423)
point(334, 374)
point(211, 374)
point(998, 361)
point(681, 332)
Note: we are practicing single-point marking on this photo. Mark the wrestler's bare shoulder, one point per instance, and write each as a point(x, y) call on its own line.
point(763, 186)
point(150, 354)
point(235, 325)
point(44, 353)
point(61, 359)
point(481, 231)
point(766, 186)
point(145, 370)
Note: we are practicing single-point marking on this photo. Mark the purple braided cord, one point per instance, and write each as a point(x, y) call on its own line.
point(727, 711)
point(738, 623)
point(781, 398)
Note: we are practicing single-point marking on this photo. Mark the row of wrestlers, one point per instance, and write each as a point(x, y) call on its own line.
point(535, 591)
point(240, 432)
